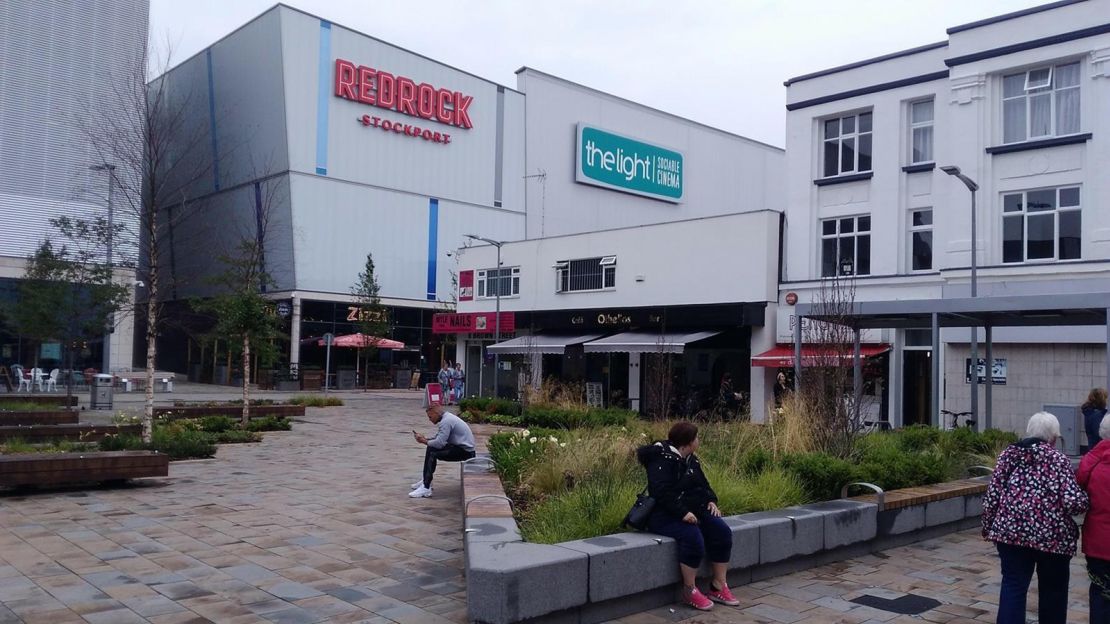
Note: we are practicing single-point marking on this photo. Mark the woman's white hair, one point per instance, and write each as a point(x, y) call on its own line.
point(1044, 426)
point(1104, 428)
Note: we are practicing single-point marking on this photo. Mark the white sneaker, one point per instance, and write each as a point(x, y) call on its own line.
point(418, 484)
point(421, 492)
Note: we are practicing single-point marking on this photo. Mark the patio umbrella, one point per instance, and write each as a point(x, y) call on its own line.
point(362, 341)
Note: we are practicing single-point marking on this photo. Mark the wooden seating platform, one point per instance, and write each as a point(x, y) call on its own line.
point(62, 417)
point(234, 411)
point(34, 434)
point(64, 468)
point(897, 499)
point(48, 399)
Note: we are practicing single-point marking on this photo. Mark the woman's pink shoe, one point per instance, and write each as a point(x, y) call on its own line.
point(723, 596)
point(696, 599)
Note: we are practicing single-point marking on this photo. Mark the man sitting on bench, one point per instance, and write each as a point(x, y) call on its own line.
point(453, 442)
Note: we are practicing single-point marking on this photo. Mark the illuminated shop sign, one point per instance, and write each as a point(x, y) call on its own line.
point(612, 161)
point(375, 87)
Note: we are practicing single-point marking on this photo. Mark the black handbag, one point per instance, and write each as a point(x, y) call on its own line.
point(637, 517)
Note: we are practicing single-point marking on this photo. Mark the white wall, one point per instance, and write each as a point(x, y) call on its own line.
point(723, 173)
point(725, 259)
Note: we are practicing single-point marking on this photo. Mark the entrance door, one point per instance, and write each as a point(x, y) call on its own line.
point(916, 387)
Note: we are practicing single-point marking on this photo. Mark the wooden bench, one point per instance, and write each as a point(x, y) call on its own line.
point(906, 497)
point(58, 400)
point(64, 417)
point(61, 468)
point(34, 434)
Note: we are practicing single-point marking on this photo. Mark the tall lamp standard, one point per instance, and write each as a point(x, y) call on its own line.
point(497, 312)
point(953, 170)
point(106, 359)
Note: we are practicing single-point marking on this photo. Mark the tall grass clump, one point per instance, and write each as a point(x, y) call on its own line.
point(311, 400)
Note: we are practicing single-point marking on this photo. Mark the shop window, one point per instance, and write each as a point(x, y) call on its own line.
point(846, 246)
point(921, 132)
point(846, 145)
point(488, 281)
point(1044, 224)
point(1040, 103)
point(921, 240)
point(587, 274)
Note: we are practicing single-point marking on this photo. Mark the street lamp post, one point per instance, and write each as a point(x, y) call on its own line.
point(952, 170)
point(106, 358)
point(497, 311)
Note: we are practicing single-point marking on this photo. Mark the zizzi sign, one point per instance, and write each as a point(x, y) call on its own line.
point(615, 162)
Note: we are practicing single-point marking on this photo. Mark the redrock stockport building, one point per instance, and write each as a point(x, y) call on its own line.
point(372, 148)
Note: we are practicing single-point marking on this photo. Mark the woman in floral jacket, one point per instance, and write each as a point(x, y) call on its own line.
point(1027, 513)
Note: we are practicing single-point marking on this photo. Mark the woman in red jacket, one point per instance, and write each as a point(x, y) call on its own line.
point(1094, 476)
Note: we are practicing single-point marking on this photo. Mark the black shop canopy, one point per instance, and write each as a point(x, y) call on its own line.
point(1090, 309)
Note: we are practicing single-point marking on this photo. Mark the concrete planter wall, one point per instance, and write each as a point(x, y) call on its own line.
point(597, 579)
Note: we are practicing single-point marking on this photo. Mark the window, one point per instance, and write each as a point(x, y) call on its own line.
point(488, 282)
point(1041, 225)
point(846, 246)
point(921, 240)
point(847, 146)
point(1040, 103)
point(587, 274)
point(921, 132)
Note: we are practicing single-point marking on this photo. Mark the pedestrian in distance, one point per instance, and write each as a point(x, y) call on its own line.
point(1094, 477)
point(453, 442)
point(1093, 412)
point(686, 510)
point(1027, 513)
point(444, 379)
point(460, 382)
point(781, 389)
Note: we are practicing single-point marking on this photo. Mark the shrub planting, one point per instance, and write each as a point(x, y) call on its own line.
point(311, 400)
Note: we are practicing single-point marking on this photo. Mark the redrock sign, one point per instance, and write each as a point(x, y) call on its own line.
point(382, 89)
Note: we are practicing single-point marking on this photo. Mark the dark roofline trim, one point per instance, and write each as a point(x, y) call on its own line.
point(1009, 16)
point(866, 62)
point(1029, 45)
point(886, 86)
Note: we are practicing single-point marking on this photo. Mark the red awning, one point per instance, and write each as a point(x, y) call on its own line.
point(782, 356)
point(363, 341)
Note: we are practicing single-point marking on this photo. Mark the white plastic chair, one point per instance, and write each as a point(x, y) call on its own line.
point(52, 380)
point(24, 380)
point(36, 378)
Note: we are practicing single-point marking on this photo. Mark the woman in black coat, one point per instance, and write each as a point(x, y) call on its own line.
point(686, 510)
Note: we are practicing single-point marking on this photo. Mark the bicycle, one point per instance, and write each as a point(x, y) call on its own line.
point(968, 422)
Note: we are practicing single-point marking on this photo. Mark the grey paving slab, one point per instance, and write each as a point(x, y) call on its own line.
point(319, 516)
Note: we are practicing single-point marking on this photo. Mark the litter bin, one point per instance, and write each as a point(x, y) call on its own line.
point(101, 392)
point(346, 379)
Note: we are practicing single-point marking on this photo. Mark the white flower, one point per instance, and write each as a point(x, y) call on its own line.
point(532, 439)
point(525, 433)
point(563, 444)
point(623, 429)
point(643, 435)
point(553, 440)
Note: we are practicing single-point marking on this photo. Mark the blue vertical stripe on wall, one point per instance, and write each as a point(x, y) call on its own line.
point(322, 99)
point(212, 121)
point(433, 244)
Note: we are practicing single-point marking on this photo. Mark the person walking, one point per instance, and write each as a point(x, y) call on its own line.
point(444, 379)
point(453, 442)
point(1027, 513)
point(1094, 477)
point(686, 510)
point(781, 390)
point(460, 382)
point(1093, 412)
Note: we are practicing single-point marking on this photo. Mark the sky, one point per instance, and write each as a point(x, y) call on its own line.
point(720, 62)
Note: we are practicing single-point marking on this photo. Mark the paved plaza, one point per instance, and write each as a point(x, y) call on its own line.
point(314, 525)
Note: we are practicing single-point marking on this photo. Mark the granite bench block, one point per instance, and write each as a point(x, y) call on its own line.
point(973, 505)
point(901, 520)
point(846, 522)
point(944, 511)
point(745, 542)
point(785, 533)
point(628, 563)
point(513, 581)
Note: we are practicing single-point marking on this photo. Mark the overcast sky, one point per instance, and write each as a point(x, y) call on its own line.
point(718, 62)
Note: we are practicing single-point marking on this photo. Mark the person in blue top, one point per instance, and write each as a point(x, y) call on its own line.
point(1093, 411)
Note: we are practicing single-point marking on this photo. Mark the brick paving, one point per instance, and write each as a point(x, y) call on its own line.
point(959, 570)
point(310, 525)
point(314, 525)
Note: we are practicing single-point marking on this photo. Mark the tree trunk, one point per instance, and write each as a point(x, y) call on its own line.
point(151, 336)
point(246, 379)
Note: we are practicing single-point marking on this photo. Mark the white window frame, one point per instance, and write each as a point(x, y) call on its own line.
point(1024, 214)
point(481, 282)
point(1033, 88)
point(917, 229)
point(931, 123)
point(608, 266)
point(840, 140)
point(838, 235)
